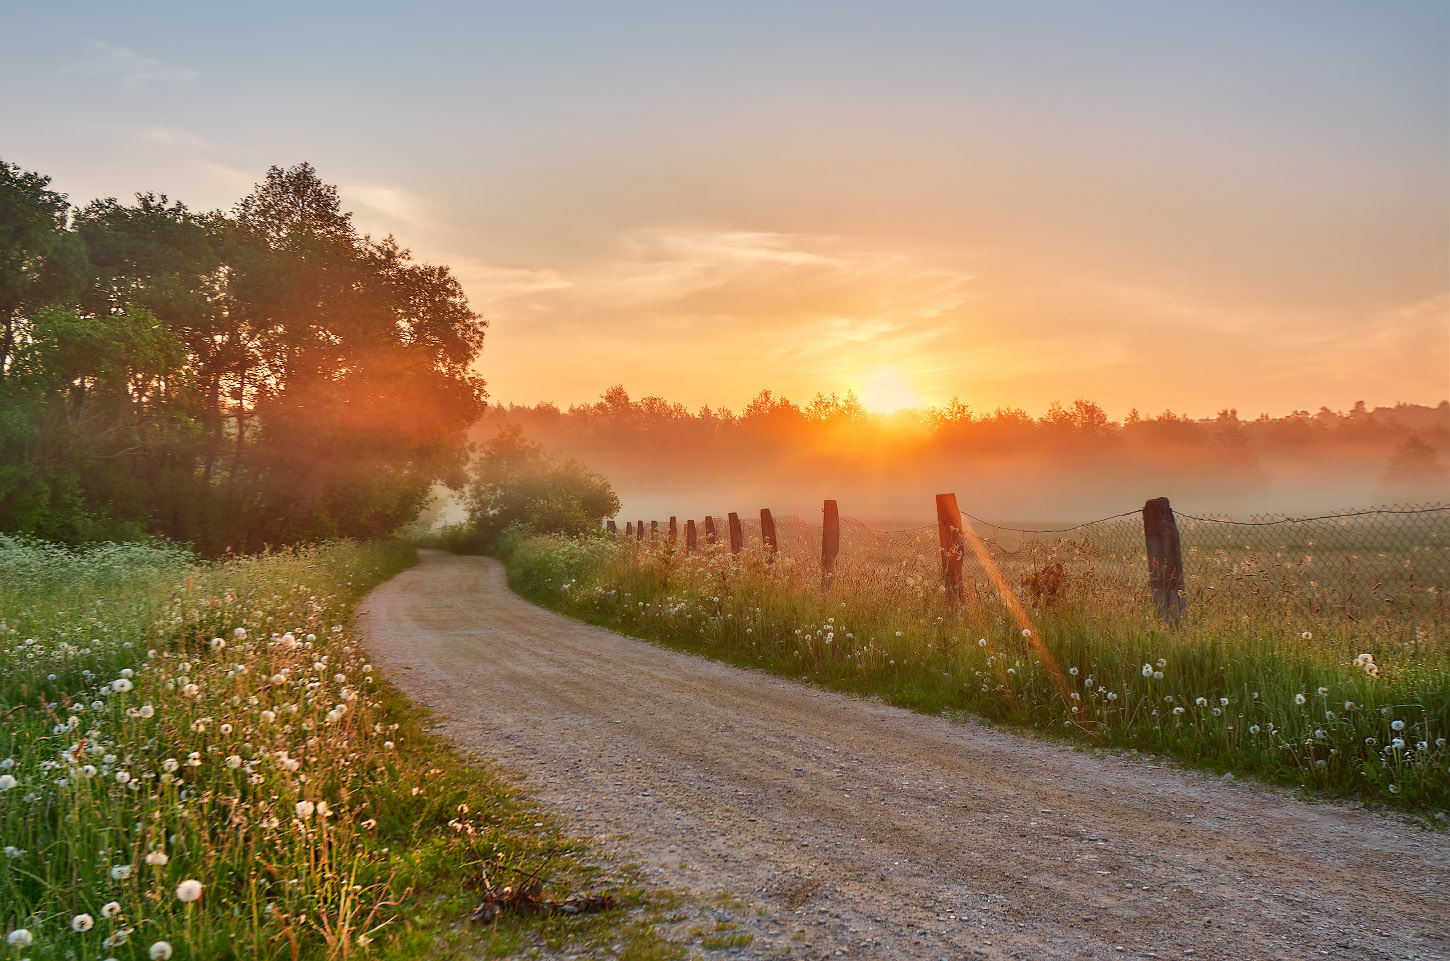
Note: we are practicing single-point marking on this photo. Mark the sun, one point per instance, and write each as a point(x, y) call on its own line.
point(885, 391)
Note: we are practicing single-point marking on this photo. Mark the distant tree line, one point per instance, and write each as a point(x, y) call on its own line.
point(266, 375)
point(1073, 457)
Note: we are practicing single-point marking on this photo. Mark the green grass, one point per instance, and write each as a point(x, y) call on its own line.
point(170, 721)
point(1255, 697)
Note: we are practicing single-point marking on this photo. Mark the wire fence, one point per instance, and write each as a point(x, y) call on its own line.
point(1380, 572)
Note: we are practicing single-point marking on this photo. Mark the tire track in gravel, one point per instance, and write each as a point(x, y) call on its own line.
point(860, 830)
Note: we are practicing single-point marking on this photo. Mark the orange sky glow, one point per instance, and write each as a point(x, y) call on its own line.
point(1154, 206)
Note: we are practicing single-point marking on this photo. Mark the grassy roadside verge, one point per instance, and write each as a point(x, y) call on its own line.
point(197, 761)
point(1288, 710)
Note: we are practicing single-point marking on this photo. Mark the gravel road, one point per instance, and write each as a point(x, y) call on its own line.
point(853, 829)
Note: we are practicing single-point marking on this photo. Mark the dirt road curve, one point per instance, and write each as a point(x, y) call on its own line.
point(858, 830)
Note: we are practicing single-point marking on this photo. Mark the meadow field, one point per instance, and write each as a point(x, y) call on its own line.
point(1314, 654)
point(197, 761)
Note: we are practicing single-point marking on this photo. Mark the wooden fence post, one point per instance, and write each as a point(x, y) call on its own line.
point(767, 534)
point(709, 529)
point(953, 543)
point(737, 539)
point(830, 543)
point(629, 529)
point(674, 530)
point(612, 527)
point(654, 530)
point(1165, 560)
point(690, 535)
point(639, 530)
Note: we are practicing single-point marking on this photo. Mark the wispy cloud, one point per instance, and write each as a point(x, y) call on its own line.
point(129, 68)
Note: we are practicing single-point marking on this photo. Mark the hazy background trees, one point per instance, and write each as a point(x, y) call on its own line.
point(230, 380)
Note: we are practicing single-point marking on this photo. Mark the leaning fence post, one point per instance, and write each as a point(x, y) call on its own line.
point(629, 529)
point(953, 543)
point(690, 535)
point(654, 530)
point(709, 528)
point(737, 539)
point(639, 530)
point(612, 527)
point(830, 543)
point(1165, 560)
point(767, 533)
point(674, 530)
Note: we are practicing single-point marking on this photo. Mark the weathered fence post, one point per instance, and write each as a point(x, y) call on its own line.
point(639, 530)
point(767, 534)
point(709, 529)
point(953, 543)
point(612, 527)
point(737, 539)
point(674, 530)
point(1165, 560)
point(690, 535)
point(654, 530)
point(830, 543)
point(629, 529)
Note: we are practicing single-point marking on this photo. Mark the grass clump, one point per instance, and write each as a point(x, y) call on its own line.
point(1255, 697)
point(198, 761)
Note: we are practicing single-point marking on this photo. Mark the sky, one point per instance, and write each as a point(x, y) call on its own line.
point(1184, 206)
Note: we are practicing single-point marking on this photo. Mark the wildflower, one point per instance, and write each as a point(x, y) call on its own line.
point(1323, 691)
point(161, 950)
point(122, 777)
point(120, 685)
point(19, 938)
point(1298, 698)
point(120, 872)
point(269, 716)
point(981, 642)
point(82, 922)
point(1223, 701)
point(234, 761)
point(11, 851)
point(240, 633)
point(1112, 695)
point(1026, 632)
point(1253, 729)
point(190, 690)
point(1349, 706)
point(1397, 725)
point(1306, 636)
point(1394, 789)
point(305, 809)
point(1157, 675)
point(1162, 662)
point(111, 909)
point(1201, 702)
point(1072, 671)
point(1147, 670)
point(188, 890)
point(387, 745)
point(169, 765)
point(1178, 710)
point(7, 781)
point(217, 644)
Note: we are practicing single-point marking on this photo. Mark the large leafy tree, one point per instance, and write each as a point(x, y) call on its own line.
point(261, 377)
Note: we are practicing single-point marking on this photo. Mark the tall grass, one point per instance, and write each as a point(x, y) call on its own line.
point(198, 761)
point(1257, 698)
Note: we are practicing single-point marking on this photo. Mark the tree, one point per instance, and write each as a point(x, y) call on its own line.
point(32, 224)
point(517, 485)
point(1415, 466)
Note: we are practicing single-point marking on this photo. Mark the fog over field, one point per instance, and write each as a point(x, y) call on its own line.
point(1070, 464)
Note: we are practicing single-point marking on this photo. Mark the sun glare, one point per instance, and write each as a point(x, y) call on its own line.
point(885, 391)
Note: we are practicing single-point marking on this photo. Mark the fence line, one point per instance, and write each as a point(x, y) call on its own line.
point(1382, 571)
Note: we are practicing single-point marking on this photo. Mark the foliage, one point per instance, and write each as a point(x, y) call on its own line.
point(1286, 706)
point(267, 376)
point(517, 485)
point(170, 722)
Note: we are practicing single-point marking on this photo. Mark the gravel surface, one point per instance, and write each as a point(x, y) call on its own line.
point(846, 828)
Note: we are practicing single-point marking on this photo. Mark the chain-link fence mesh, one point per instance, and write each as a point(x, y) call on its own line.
point(1381, 572)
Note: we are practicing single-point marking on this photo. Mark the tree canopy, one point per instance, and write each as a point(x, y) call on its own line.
point(263, 376)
